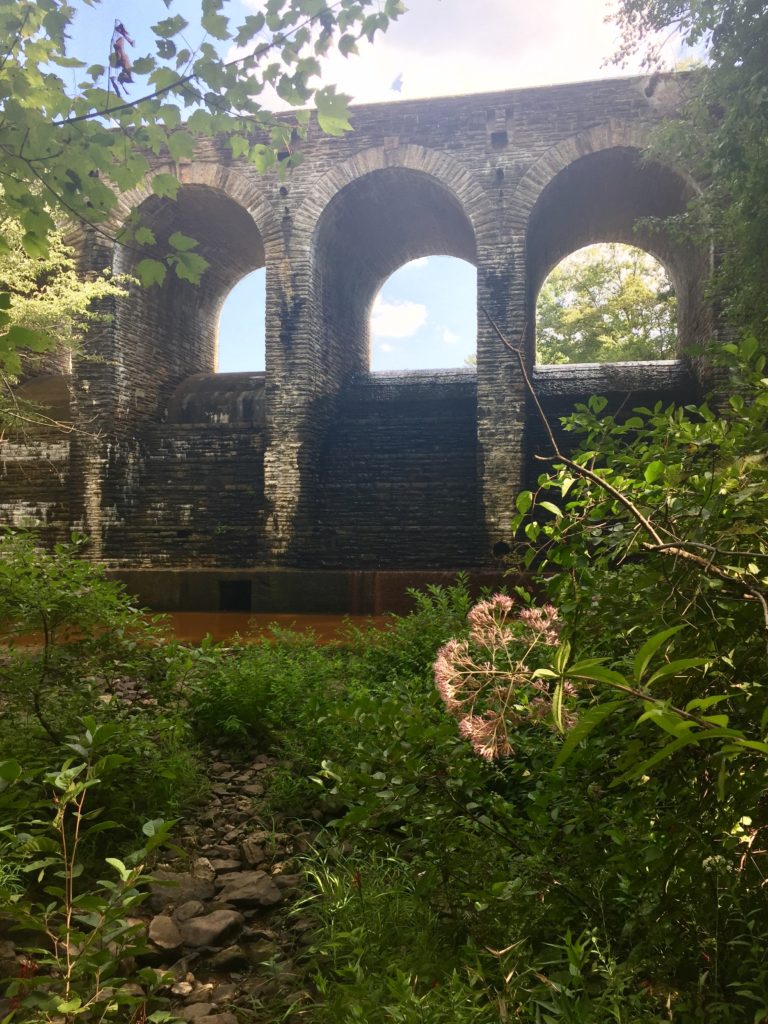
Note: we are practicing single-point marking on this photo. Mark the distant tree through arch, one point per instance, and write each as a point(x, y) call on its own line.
point(607, 302)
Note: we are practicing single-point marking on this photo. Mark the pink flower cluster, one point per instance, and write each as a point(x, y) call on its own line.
point(486, 682)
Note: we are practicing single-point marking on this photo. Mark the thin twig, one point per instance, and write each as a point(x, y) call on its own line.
point(676, 548)
point(182, 80)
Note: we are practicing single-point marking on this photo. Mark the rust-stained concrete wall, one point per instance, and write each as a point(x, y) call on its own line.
point(317, 464)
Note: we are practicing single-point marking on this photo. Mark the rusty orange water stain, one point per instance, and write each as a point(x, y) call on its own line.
point(193, 627)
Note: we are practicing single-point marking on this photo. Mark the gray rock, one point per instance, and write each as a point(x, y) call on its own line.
point(220, 1018)
point(177, 887)
point(212, 929)
point(225, 865)
point(182, 988)
point(225, 993)
point(196, 1011)
point(204, 994)
point(164, 933)
point(251, 888)
point(9, 964)
point(287, 881)
point(230, 959)
point(188, 910)
point(252, 850)
point(202, 869)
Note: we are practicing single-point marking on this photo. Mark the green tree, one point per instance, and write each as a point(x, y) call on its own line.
point(68, 153)
point(48, 304)
point(606, 303)
point(721, 136)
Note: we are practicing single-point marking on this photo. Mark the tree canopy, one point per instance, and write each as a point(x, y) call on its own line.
point(67, 153)
point(606, 303)
point(721, 136)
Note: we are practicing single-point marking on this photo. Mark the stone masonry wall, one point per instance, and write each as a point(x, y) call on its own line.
point(317, 463)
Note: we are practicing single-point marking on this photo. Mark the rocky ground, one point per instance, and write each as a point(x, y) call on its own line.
point(220, 923)
point(217, 916)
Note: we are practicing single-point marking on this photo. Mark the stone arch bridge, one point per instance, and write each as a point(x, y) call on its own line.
point(311, 486)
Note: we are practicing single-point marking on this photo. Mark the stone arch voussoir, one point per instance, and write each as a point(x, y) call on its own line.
point(231, 181)
point(443, 169)
point(612, 134)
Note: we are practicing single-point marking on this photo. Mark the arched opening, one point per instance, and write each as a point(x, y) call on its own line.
point(397, 443)
point(613, 195)
point(425, 315)
point(374, 225)
point(168, 332)
point(240, 346)
point(606, 303)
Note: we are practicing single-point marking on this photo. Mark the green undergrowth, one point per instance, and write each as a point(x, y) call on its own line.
point(620, 883)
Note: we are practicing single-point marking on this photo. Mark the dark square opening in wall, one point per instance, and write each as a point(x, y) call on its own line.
point(234, 595)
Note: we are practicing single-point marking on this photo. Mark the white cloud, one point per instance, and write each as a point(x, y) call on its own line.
point(451, 48)
point(450, 337)
point(397, 319)
point(442, 49)
point(384, 346)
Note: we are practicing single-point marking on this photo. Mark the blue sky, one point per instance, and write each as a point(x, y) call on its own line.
point(425, 314)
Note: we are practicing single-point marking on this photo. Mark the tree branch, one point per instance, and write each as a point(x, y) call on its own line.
point(677, 547)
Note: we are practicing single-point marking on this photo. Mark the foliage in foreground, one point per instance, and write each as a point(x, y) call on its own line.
point(616, 871)
point(570, 881)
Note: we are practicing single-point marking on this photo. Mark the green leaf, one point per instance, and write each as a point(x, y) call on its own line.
point(562, 657)
point(144, 65)
point(674, 668)
point(587, 722)
point(653, 471)
point(144, 236)
point(524, 501)
point(216, 25)
point(69, 1006)
point(702, 703)
point(667, 720)
point(190, 266)
point(332, 112)
point(118, 865)
point(557, 707)
point(166, 49)
point(649, 648)
point(182, 242)
point(252, 25)
point(25, 337)
point(150, 272)
point(10, 772)
point(181, 145)
point(347, 45)
point(166, 185)
point(661, 755)
point(551, 507)
point(239, 146)
point(35, 245)
point(170, 26)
